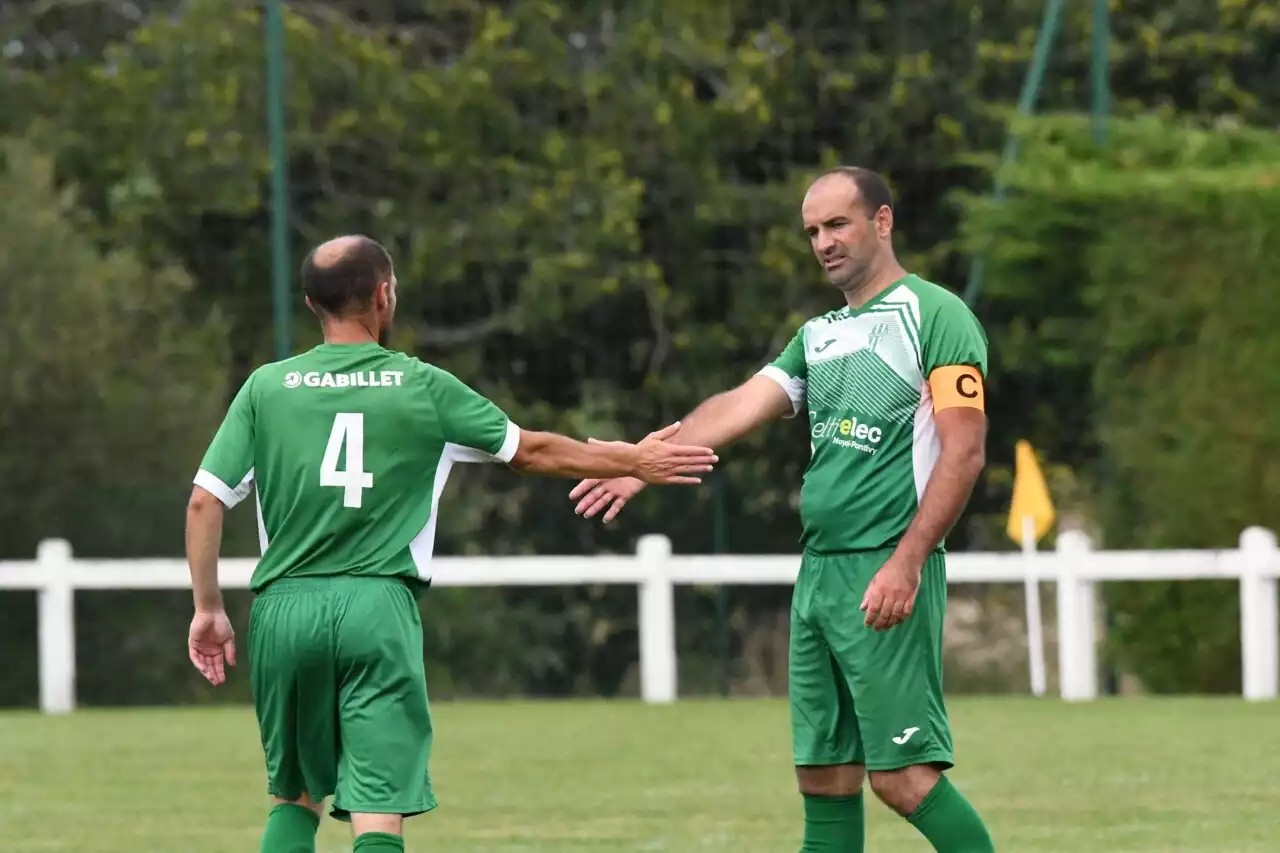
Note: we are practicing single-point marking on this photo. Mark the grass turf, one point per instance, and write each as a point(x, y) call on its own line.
point(1124, 776)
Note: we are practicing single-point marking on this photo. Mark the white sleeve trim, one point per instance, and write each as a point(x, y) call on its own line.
point(509, 444)
point(212, 484)
point(461, 453)
point(792, 385)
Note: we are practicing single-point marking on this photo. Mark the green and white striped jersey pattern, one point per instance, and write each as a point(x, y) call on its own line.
point(862, 374)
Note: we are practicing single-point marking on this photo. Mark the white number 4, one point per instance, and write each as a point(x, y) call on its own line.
point(348, 429)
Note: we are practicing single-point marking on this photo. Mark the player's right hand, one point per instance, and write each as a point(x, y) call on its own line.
point(664, 463)
point(659, 463)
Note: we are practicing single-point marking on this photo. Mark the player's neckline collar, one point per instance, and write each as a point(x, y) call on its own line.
point(353, 345)
point(848, 311)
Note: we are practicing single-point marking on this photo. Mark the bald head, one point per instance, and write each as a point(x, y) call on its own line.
point(848, 215)
point(865, 187)
point(341, 276)
point(331, 253)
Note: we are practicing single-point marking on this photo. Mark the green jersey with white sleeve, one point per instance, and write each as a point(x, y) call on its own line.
point(347, 448)
point(863, 375)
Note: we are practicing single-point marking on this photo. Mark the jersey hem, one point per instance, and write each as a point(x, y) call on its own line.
point(888, 547)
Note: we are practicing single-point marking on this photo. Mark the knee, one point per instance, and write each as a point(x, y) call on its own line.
point(903, 790)
point(385, 824)
point(836, 780)
point(305, 801)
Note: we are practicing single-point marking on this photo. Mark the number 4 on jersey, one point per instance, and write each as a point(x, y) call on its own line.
point(348, 431)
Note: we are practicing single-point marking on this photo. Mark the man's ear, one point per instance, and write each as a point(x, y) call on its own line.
point(884, 221)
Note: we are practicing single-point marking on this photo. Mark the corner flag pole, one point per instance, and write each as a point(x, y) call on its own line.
point(1031, 514)
point(1035, 622)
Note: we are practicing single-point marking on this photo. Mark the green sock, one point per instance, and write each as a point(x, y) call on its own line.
point(290, 829)
point(950, 823)
point(378, 842)
point(833, 824)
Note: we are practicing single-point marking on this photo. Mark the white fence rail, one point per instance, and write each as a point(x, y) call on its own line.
point(1073, 567)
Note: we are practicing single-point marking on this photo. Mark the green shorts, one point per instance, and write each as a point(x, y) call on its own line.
point(860, 696)
point(340, 693)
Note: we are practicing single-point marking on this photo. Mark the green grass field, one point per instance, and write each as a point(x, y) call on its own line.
point(1118, 776)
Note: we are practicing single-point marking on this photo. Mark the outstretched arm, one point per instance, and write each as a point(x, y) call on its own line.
point(481, 431)
point(726, 417)
point(718, 420)
point(653, 460)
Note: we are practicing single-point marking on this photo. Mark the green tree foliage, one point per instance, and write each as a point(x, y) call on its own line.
point(106, 396)
point(1164, 243)
point(594, 209)
point(106, 387)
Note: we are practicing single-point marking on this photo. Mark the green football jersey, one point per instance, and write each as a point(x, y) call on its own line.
point(863, 375)
point(348, 447)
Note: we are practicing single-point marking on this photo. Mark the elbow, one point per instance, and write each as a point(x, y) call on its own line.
point(972, 460)
point(966, 459)
point(202, 503)
point(528, 458)
point(978, 456)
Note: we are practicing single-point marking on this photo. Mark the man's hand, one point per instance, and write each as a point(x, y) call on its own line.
point(663, 464)
point(598, 494)
point(211, 644)
point(891, 593)
point(718, 420)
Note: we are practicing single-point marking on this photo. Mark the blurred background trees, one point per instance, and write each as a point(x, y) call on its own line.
point(593, 208)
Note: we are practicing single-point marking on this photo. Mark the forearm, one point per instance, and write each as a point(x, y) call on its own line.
point(726, 417)
point(554, 455)
point(204, 540)
point(944, 499)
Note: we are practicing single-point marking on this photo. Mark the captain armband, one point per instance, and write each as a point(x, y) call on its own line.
point(957, 385)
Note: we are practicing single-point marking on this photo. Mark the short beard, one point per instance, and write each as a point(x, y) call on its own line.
point(857, 279)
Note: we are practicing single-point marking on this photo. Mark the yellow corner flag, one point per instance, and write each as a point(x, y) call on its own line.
point(1030, 496)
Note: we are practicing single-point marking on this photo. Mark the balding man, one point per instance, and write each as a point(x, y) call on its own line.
point(893, 386)
point(348, 446)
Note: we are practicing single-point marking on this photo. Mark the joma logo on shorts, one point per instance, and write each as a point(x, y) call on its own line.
point(848, 432)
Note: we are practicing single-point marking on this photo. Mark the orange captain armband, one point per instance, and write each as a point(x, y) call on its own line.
point(957, 385)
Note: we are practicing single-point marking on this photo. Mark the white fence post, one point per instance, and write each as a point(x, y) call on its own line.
point(57, 630)
point(1259, 624)
point(657, 621)
point(1077, 643)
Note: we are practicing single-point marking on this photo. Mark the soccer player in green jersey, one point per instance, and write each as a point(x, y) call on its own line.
point(893, 387)
point(348, 447)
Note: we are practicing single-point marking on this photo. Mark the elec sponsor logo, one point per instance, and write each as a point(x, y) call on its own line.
point(363, 379)
point(848, 432)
